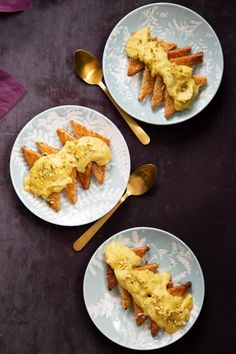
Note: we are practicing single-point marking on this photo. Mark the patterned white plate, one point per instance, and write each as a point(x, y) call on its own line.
point(104, 306)
point(98, 199)
point(173, 23)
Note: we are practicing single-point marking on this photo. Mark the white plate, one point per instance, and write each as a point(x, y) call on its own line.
point(104, 306)
point(98, 199)
point(173, 23)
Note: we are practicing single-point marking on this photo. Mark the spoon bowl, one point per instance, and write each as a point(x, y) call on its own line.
point(87, 67)
point(140, 181)
point(89, 70)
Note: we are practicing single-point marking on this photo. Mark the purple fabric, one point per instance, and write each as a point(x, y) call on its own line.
point(14, 5)
point(11, 92)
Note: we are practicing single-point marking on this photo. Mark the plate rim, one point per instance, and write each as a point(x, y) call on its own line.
point(22, 131)
point(168, 121)
point(156, 230)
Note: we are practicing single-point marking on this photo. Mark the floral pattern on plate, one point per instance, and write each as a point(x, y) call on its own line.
point(104, 307)
point(173, 23)
point(98, 199)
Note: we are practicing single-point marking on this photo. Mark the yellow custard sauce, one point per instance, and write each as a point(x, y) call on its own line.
point(148, 289)
point(178, 78)
point(51, 173)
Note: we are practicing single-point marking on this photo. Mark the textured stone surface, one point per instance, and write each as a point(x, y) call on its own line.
point(41, 300)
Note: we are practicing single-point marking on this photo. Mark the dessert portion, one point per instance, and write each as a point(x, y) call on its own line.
point(53, 170)
point(167, 71)
point(151, 293)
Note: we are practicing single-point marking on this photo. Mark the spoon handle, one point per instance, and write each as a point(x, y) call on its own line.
point(138, 131)
point(87, 235)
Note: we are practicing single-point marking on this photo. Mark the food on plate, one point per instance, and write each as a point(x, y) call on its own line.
point(51, 172)
point(147, 84)
point(54, 170)
point(152, 294)
point(79, 130)
point(167, 71)
point(71, 188)
point(31, 156)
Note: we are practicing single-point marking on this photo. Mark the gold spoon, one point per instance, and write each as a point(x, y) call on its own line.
point(140, 181)
point(89, 70)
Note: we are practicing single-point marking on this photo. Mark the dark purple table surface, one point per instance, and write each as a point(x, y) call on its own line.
point(41, 277)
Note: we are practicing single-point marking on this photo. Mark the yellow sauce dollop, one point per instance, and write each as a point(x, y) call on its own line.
point(177, 78)
point(51, 173)
point(148, 289)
